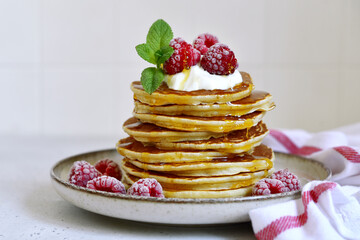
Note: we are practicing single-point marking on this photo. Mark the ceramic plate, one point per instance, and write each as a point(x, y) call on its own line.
point(176, 210)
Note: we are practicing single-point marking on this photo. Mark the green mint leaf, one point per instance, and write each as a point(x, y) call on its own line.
point(151, 79)
point(146, 53)
point(163, 54)
point(159, 35)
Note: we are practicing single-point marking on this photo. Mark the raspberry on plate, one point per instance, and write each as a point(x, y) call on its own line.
point(268, 186)
point(109, 168)
point(204, 41)
point(184, 57)
point(290, 180)
point(147, 187)
point(107, 184)
point(219, 60)
point(81, 172)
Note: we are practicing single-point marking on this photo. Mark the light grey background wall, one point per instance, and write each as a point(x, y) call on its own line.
point(66, 65)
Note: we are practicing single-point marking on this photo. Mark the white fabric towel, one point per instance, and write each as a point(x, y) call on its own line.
point(327, 209)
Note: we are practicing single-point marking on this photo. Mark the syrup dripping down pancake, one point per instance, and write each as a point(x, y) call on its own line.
point(164, 95)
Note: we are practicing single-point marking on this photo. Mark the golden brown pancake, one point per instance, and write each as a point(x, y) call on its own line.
point(234, 142)
point(257, 101)
point(201, 124)
point(260, 159)
point(148, 132)
point(130, 148)
point(164, 95)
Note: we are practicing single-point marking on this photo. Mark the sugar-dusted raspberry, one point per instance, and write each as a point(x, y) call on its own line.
point(268, 186)
point(184, 57)
point(147, 187)
point(219, 60)
point(290, 180)
point(81, 172)
point(204, 41)
point(107, 184)
point(109, 168)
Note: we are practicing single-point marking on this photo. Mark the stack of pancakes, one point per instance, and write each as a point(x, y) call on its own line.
point(198, 144)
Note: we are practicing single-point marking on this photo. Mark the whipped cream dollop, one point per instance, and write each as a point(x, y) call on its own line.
point(196, 78)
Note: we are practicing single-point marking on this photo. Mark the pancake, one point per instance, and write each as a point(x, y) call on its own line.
point(195, 193)
point(257, 101)
point(235, 142)
point(148, 132)
point(186, 182)
point(202, 124)
point(130, 148)
point(223, 193)
point(260, 159)
point(164, 95)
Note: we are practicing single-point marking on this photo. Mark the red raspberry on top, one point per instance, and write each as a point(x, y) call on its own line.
point(204, 41)
point(219, 60)
point(147, 187)
point(268, 186)
point(290, 180)
point(107, 184)
point(109, 168)
point(184, 57)
point(81, 172)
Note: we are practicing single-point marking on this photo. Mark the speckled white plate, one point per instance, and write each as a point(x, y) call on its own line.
point(175, 210)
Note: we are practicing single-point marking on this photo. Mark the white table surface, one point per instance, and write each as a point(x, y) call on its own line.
point(31, 209)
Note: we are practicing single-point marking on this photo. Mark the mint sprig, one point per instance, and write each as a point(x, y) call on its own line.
point(156, 51)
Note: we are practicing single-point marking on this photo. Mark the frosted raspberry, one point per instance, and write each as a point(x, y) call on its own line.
point(219, 60)
point(268, 186)
point(81, 172)
point(290, 180)
point(107, 184)
point(204, 41)
point(109, 168)
point(184, 57)
point(147, 187)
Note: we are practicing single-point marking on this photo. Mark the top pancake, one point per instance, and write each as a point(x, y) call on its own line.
point(164, 95)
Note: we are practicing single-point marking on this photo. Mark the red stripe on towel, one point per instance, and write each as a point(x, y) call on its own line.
point(291, 146)
point(288, 222)
point(284, 140)
point(349, 153)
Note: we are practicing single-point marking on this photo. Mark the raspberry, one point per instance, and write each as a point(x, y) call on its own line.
point(184, 57)
point(219, 60)
point(81, 172)
point(109, 168)
point(147, 187)
point(268, 186)
point(107, 184)
point(204, 41)
point(287, 178)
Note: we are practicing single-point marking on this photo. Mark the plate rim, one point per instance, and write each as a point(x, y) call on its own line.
point(295, 194)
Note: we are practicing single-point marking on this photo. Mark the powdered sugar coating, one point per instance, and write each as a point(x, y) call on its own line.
point(289, 179)
point(147, 187)
point(204, 41)
point(108, 167)
point(219, 60)
point(81, 172)
point(269, 186)
point(107, 184)
point(184, 57)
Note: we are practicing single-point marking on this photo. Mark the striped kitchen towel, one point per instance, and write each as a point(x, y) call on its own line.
point(327, 209)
